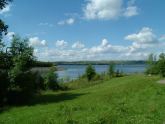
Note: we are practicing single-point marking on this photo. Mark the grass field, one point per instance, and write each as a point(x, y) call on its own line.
point(135, 99)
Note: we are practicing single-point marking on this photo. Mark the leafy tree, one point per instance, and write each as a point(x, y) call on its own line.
point(3, 31)
point(90, 72)
point(156, 67)
point(4, 80)
point(111, 70)
point(51, 79)
point(152, 65)
point(3, 3)
point(161, 64)
point(3, 26)
point(21, 55)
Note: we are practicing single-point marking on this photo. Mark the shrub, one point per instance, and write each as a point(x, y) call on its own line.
point(161, 64)
point(111, 70)
point(97, 77)
point(18, 61)
point(39, 81)
point(23, 88)
point(90, 72)
point(156, 67)
point(152, 65)
point(51, 79)
point(4, 85)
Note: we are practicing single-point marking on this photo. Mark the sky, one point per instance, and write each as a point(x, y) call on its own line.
point(74, 30)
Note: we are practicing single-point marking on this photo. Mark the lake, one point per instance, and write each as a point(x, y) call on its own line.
point(74, 71)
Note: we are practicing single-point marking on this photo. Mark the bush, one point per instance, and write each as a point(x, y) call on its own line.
point(23, 83)
point(51, 80)
point(39, 81)
point(24, 88)
point(152, 65)
point(156, 67)
point(90, 72)
point(152, 69)
point(111, 70)
point(161, 64)
point(97, 77)
point(4, 85)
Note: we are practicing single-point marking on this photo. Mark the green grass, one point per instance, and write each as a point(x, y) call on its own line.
point(135, 99)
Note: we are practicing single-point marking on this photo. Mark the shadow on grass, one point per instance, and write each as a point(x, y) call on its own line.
point(44, 99)
point(53, 98)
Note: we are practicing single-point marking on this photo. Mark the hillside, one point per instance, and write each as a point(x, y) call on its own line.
point(135, 99)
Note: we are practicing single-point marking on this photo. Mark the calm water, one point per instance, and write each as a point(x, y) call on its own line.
point(74, 71)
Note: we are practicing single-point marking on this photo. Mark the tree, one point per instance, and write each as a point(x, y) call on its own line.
point(3, 26)
point(111, 70)
point(156, 67)
point(90, 72)
point(21, 56)
point(161, 64)
point(3, 3)
point(3, 31)
point(4, 81)
point(152, 67)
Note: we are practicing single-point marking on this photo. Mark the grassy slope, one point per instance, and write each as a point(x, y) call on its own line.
point(127, 100)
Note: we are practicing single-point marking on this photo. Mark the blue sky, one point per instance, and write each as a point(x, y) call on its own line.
point(73, 30)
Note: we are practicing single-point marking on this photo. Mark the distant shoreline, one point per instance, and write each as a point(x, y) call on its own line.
point(101, 62)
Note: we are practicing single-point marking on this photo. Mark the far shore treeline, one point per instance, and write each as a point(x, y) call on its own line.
point(102, 62)
point(122, 62)
point(50, 64)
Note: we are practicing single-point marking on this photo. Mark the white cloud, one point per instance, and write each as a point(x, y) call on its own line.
point(5, 10)
point(61, 43)
point(108, 9)
point(10, 35)
point(145, 35)
point(68, 21)
point(36, 42)
point(144, 42)
point(82, 53)
point(78, 45)
point(105, 47)
point(131, 11)
point(45, 24)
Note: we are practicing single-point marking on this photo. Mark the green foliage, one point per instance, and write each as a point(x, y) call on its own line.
point(16, 80)
point(161, 64)
point(43, 64)
point(22, 53)
point(111, 70)
point(51, 79)
point(4, 85)
point(152, 66)
point(90, 72)
point(26, 85)
point(3, 26)
point(3, 3)
point(3, 29)
point(22, 84)
point(22, 57)
point(156, 67)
